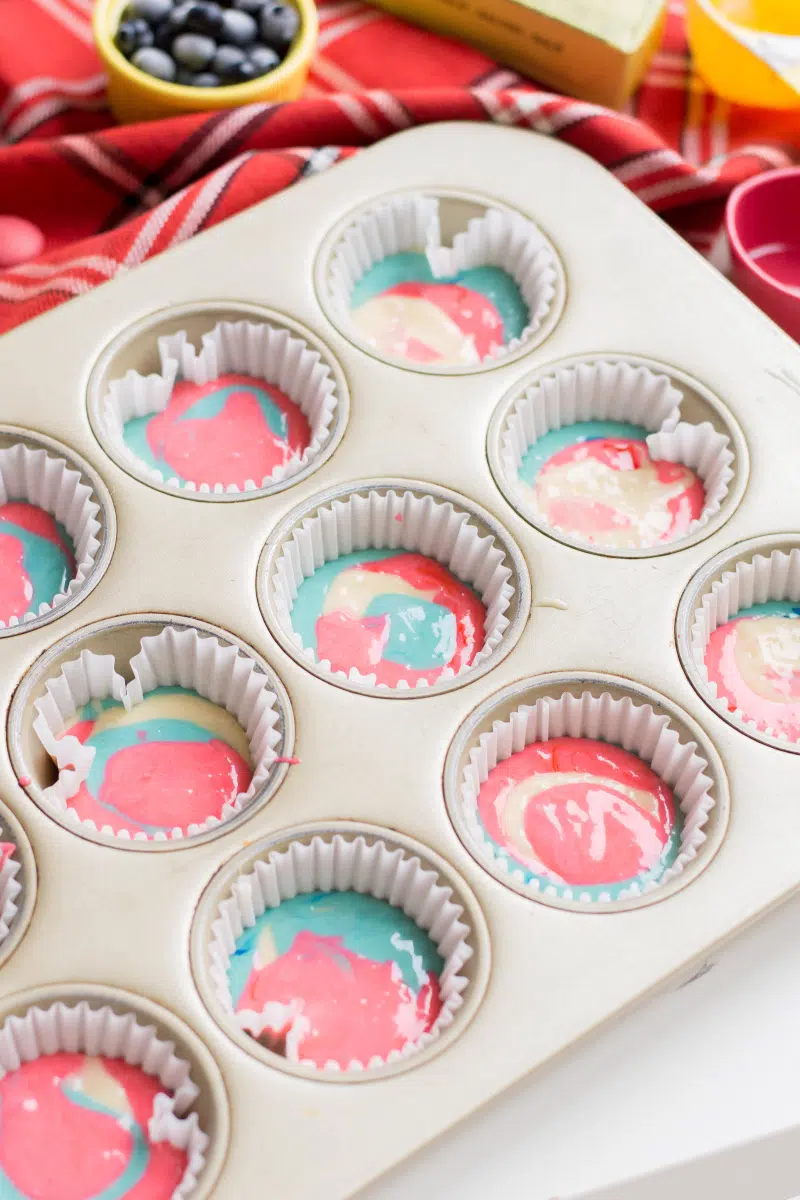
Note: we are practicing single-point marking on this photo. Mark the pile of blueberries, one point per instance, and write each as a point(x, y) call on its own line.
point(205, 44)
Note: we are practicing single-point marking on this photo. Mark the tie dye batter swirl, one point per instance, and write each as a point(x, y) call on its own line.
point(173, 760)
point(597, 481)
point(230, 431)
point(76, 1128)
point(754, 660)
point(579, 813)
point(37, 559)
point(396, 615)
point(405, 311)
point(338, 977)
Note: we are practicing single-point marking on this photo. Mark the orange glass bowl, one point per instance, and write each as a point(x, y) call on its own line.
point(748, 51)
point(135, 96)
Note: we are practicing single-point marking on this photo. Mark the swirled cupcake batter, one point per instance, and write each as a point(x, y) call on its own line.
point(388, 613)
point(754, 661)
point(76, 1128)
point(579, 813)
point(597, 481)
point(173, 760)
point(336, 977)
point(230, 431)
point(405, 311)
point(37, 559)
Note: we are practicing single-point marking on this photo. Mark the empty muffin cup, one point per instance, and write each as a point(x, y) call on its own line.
point(51, 531)
point(249, 411)
point(399, 589)
point(392, 284)
point(739, 638)
point(596, 454)
point(179, 749)
point(340, 955)
point(65, 1065)
point(590, 797)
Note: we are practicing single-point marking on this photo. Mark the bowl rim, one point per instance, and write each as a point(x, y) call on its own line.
point(739, 193)
point(105, 18)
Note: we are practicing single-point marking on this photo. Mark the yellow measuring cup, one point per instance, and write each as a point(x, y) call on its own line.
point(748, 51)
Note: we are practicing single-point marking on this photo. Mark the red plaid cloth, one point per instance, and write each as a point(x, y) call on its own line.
point(108, 197)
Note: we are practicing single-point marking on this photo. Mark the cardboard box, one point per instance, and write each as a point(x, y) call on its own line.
point(597, 50)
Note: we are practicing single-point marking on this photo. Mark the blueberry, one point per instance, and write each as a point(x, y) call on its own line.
point(164, 37)
point(241, 74)
point(194, 51)
point(238, 28)
point(279, 25)
point(155, 62)
point(207, 79)
point(185, 77)
point(263, 59)
point(152, 11)
point(132, 36)
point(226, 60)
point(205, 17)
point(178, 17)
point(249, 6)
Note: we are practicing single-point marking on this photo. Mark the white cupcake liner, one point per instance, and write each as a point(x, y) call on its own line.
point(262, 351)
point(411, 223)
point(753, 580)
point(102, 1032)
point(345, 864)
point(35, 476)
point(615, 391)
point(621, 722)
point(10, 887)
point(396, 520)
point(220, 673)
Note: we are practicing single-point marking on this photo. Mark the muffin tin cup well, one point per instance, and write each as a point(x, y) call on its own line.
point(343, 857)
point(136, 374)
point(456, 231)
point(156, 653)
point(101, 1021)
point(38, 471)
point(610, 710)
point(752, 572)
point(406, 516)
point(635, 391)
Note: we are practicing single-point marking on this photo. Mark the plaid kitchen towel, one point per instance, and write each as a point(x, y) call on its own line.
point(107, 197)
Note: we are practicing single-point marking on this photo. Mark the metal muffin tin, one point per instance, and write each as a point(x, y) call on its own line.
point(112, 923)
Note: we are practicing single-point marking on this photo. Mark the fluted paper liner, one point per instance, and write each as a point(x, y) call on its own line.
point(10, 888)
point(615, 391)
point(621, 722)
point(39, 477)
point(396, 520)
point(411, 223)
point(753, 580)
point(345, 864)
point(267, 352)
point(101, 1032)
point(220, 673)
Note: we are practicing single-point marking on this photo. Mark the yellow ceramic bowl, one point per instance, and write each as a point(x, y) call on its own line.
point(135, 96)
point(748, 51)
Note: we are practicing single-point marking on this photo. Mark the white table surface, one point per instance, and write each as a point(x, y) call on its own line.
point(691, 1073)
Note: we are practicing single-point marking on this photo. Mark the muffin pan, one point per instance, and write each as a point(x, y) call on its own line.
point(589, 641)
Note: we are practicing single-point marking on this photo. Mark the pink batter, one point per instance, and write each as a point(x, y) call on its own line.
point(755, 664)
point(610, 492)
point(578, 811)
point(239, 443)
point(310, 994)
point(54, 1148)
